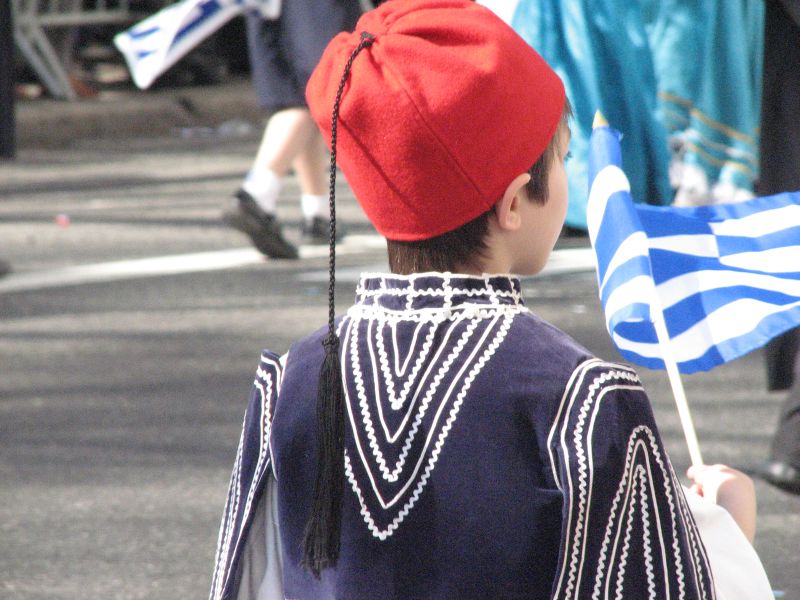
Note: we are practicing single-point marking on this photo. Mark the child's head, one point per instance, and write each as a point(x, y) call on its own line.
point(472, 248)
point(439, 117)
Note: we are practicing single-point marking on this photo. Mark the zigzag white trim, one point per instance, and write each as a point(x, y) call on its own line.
point(226, 529)
point(265, 388)
point(393, 476)
point(639, 484)
point(636, 446)
point(398, 401)
point(571, 390)
point(431, 390)
point(383, 534)
point(264, 385)
point(694, 539)
point(573, 432)
point(446, 291)
point(392, 437)
point(585, 462)
point(626, 544)
point(425, 315)
point(648, 552)
point(456, 352)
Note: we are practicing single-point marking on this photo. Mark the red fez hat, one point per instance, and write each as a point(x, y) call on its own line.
point(439, 114)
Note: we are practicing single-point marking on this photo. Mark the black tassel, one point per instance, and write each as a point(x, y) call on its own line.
point(323, 529)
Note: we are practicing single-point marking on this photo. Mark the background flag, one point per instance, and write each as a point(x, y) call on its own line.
point(726, 277)
point(155, 44)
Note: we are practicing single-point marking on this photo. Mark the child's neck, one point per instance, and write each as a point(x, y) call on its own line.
point(492, 262)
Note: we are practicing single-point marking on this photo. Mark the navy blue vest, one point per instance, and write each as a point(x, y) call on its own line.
point(487, 456)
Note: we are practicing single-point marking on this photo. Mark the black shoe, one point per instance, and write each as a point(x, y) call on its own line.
point(263, 229)
point(317, 231)
point(5, 268)
point(782, 475)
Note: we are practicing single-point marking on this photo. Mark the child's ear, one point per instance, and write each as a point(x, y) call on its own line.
point(507, 208)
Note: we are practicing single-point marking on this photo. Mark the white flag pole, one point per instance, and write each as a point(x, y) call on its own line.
point(676, 383)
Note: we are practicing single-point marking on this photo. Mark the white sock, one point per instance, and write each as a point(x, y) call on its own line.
point(264, 186)
point(314, 206)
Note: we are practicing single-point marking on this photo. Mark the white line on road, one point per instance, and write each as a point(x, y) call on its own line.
point(561, 261)
point(129, 269)
point(569, 260)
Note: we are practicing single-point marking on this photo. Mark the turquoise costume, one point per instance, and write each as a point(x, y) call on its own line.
point(680, 79)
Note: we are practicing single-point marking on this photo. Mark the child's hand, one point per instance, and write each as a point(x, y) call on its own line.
point(729, 488)
point(719, 482)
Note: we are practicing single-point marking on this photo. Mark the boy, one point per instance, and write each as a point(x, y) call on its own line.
point(470, 449)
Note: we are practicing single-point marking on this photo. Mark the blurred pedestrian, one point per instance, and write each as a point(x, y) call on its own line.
point(283, 52)
point(780, 172)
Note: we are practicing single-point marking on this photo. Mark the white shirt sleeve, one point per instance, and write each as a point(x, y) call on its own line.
point(260, 575)
point(738, 572)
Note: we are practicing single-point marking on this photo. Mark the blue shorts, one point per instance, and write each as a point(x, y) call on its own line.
point(284, 52)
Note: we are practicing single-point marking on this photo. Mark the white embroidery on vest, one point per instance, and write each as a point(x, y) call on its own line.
point(490, 334)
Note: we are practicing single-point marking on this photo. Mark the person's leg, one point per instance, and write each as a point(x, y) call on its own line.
point(779, 358)
point(287, 135)
point(252, 209)
point(783, 468)
point(282, 54)
point(786, 441)
point(311, 168)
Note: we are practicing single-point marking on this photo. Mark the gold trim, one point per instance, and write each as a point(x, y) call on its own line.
point(714, 124)
point(673, 98)
point(732, 164)
point(676, 116)
point(744, 156)
point(727, 130)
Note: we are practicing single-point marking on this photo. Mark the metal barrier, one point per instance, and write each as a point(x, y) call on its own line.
point(32, 19)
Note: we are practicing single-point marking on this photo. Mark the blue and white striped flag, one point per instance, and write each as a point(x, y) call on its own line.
point(155, 44)
point(725, 277)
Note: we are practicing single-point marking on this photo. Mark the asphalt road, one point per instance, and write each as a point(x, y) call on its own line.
point(129, 335)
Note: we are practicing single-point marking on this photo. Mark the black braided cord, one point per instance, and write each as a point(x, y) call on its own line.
point(322, 538)
point(366, 40)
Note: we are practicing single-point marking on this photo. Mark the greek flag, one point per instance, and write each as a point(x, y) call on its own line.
point(155, 44)
point(726, 278)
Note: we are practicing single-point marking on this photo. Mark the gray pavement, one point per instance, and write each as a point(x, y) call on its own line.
point(131, 327)
point(123, 113)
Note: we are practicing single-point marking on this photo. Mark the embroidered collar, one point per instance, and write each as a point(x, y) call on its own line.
point(437, 290)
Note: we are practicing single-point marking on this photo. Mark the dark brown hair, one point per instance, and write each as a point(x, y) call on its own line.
point(462, 247)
